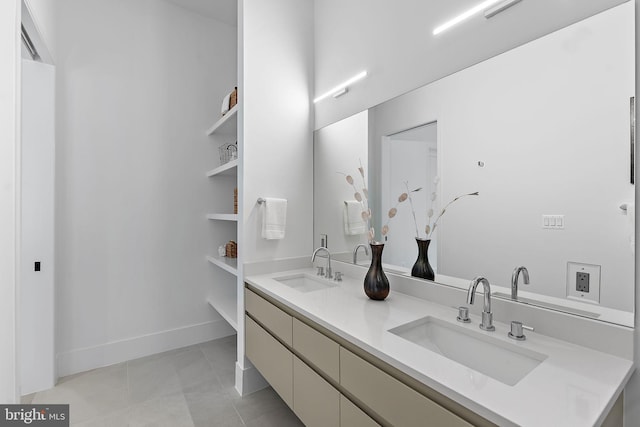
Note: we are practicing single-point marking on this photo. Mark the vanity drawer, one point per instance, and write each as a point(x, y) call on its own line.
point(394, 401)
point(352, 416)
point(271, 358)
point(315, 401)
point(317, 349)
point(275, 320)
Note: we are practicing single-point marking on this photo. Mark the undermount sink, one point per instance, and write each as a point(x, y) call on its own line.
point(303, 282)
point(476, 350)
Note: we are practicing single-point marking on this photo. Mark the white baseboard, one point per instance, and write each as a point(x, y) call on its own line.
point(88, 358)
point(249, 380)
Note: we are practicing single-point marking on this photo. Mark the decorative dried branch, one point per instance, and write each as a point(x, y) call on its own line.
point(435, 223)
point(415, 221)
point(393, 212)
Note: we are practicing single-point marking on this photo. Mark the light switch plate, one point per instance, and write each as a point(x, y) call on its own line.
point(553, 222)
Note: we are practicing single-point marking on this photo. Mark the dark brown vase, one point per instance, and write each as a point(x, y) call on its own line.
point(422, 268)
point(376, 284)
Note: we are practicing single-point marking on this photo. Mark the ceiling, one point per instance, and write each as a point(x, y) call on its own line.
point(222, 10)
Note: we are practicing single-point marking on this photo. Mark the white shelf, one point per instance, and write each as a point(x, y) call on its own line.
point(229, 168)
point(224, 291)
point(227, 123)
point(223, 217)
point(227, 264)
point(227, 306)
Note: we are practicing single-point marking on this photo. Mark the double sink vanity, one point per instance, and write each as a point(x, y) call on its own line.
point(339, 358)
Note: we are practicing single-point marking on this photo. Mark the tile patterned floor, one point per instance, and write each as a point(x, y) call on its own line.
point(190, 387)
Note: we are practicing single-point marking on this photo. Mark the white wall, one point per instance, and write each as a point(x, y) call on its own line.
point(538, 150)
point(277, 123)
point(9, 188)
point(37, 291)
point(393, 41)
point(338, 149)
point(138, 84)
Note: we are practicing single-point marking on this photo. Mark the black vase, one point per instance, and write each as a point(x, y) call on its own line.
point(422, 268)
point(376, 284)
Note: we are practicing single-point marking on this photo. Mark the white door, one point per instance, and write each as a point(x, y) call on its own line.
point(36, 336)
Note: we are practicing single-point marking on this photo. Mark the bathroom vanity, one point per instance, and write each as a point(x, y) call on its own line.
point(338, 358)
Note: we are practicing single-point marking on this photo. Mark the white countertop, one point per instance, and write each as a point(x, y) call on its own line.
point(573, 386)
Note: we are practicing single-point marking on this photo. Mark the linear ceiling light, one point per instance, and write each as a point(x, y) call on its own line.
point(492, 11)
point(342, 86)
point(465, 15)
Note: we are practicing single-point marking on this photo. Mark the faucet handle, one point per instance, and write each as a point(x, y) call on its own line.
point(516, 332)
point(463, 314)
point(487, 322)
point(338, 276)
point(320, 271)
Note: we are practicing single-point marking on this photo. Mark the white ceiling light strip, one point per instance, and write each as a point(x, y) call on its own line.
point(465, 15)
point(499, 8)
point(341, 87)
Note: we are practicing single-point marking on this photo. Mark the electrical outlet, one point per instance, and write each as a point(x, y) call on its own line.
point(583, 282)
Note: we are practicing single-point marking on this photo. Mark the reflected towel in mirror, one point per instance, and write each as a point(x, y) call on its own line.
point(353, 222)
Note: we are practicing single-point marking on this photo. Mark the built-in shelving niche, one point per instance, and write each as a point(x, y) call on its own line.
point(224, 292)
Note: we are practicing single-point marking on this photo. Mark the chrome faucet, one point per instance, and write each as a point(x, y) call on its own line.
point(355, 252)
point(514, 280)
point(327, 270)
point(487, 316)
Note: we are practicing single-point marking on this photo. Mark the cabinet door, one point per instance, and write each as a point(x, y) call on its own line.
point(275, 320)
point(352, 416)
point(320, 351)
point(394, 401)
point(271, 358)
point(315, 401)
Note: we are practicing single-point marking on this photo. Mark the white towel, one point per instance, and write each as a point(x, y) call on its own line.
point(353, 222)
point(274, 218)
point(225, 104)
point(631, 218)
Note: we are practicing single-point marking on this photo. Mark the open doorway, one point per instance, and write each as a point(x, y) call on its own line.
point(409, 162)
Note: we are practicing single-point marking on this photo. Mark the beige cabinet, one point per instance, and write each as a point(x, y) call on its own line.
point(271, 317)
point(317, 349)
point(352, 416)
point(328, 385)
point(271, 358)
point(315, 401)
point(394, 401)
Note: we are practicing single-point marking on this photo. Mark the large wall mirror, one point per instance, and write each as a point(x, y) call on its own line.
point(543, 133)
